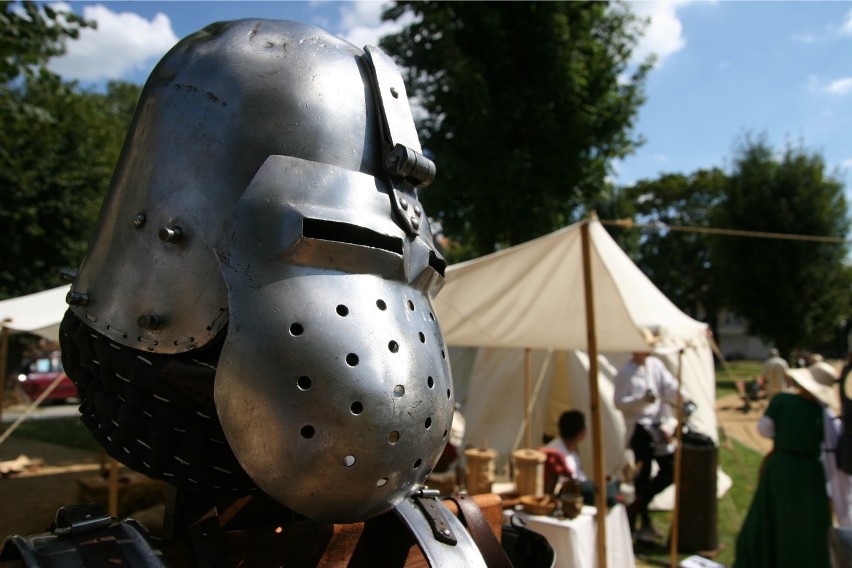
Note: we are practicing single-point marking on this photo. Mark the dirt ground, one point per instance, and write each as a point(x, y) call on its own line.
point(742, 426)
point(29, 500)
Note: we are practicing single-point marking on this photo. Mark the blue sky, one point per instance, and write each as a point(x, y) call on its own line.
point(779, 69)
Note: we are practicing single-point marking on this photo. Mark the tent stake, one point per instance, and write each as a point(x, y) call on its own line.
point(594, 398)
point(527, 379)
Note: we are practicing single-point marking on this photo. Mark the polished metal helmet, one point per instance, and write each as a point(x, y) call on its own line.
point(265, 205)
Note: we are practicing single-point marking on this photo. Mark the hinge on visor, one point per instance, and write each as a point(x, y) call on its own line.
point(402, 156)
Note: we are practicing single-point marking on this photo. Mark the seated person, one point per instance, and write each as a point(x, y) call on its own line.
point(572, 431)
point(563, 459)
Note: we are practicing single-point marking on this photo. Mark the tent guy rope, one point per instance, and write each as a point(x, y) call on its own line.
point(631, 224)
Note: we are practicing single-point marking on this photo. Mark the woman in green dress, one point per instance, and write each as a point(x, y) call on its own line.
point(788, 520)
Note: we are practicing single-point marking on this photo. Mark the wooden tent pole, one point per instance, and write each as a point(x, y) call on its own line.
point(4, 361)
point(594, 397)
point(527, 380)
point(112, 488)
point(677, 463)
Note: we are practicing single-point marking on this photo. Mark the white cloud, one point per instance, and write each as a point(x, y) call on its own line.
point(840, 86)
point(831, 32)
point(122, 43)
point(846, 26)
point(361, 22)
point(664, 35)
point(847, 163)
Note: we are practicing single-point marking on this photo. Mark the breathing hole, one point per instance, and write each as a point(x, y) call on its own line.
point(410, 305)
point(352, 359)
point(448, 393)
point(428, 423)
point(445, 435)
point(296, 329)
point(431, 316)
point(443, 354)
point(417, 463)
point(304, 382)
point(393, 437)
point(398, 391)
point(381, 305)
point(307, 431)
point(356, 408)
point(382, 482)
point(431, 382)
point(422, 337)
point(393, 346)
point(342, 310)
point(349, 461)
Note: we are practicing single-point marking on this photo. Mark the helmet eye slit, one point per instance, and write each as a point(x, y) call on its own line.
point(335, 231)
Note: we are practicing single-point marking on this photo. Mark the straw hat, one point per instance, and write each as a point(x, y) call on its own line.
point(818, 379)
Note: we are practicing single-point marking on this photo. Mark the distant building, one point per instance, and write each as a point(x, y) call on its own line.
point(734, 341)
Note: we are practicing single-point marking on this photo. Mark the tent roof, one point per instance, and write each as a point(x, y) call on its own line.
point(532, 295)
point(39, 313)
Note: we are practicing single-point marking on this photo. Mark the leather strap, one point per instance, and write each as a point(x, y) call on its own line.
point(471, 516)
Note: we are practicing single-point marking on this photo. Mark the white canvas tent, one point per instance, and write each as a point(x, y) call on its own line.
point(39, 313)
point(532, 296)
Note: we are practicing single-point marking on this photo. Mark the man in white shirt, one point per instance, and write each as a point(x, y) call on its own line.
point(645, 393)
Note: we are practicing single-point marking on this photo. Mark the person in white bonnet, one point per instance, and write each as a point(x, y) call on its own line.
point(774, 374)
point(789, 517)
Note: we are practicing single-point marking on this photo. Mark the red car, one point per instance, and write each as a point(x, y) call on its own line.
point(40, 374)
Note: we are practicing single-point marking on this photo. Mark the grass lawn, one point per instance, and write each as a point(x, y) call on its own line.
point(68, 432)
point(741, 464)
point(729, 373)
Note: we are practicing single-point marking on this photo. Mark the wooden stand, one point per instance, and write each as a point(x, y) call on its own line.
point(121, 494)
point(529, 471)
point(480, 470)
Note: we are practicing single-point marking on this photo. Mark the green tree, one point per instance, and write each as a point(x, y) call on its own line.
point(678, 262)
point(58, 146)
point(794, 293)
point(32, 34)
point(55, 167)
point(526, 104)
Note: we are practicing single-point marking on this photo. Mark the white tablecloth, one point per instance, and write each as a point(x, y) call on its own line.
point(575, 541)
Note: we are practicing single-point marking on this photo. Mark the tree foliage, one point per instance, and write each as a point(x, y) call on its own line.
point(58, 146)
point(794, 293)
point(526, 104)
point(32, 34)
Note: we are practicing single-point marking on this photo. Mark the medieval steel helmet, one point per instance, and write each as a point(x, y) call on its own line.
point(256, 297)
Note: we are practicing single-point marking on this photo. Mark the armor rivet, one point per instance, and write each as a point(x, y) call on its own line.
point(170, 234)
point(139, 220)
point(415, 222)
point(403, 202)
point(394, 92)
point(417, 210)
point(77, 299)
point(446, 532)
point(149, 322)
